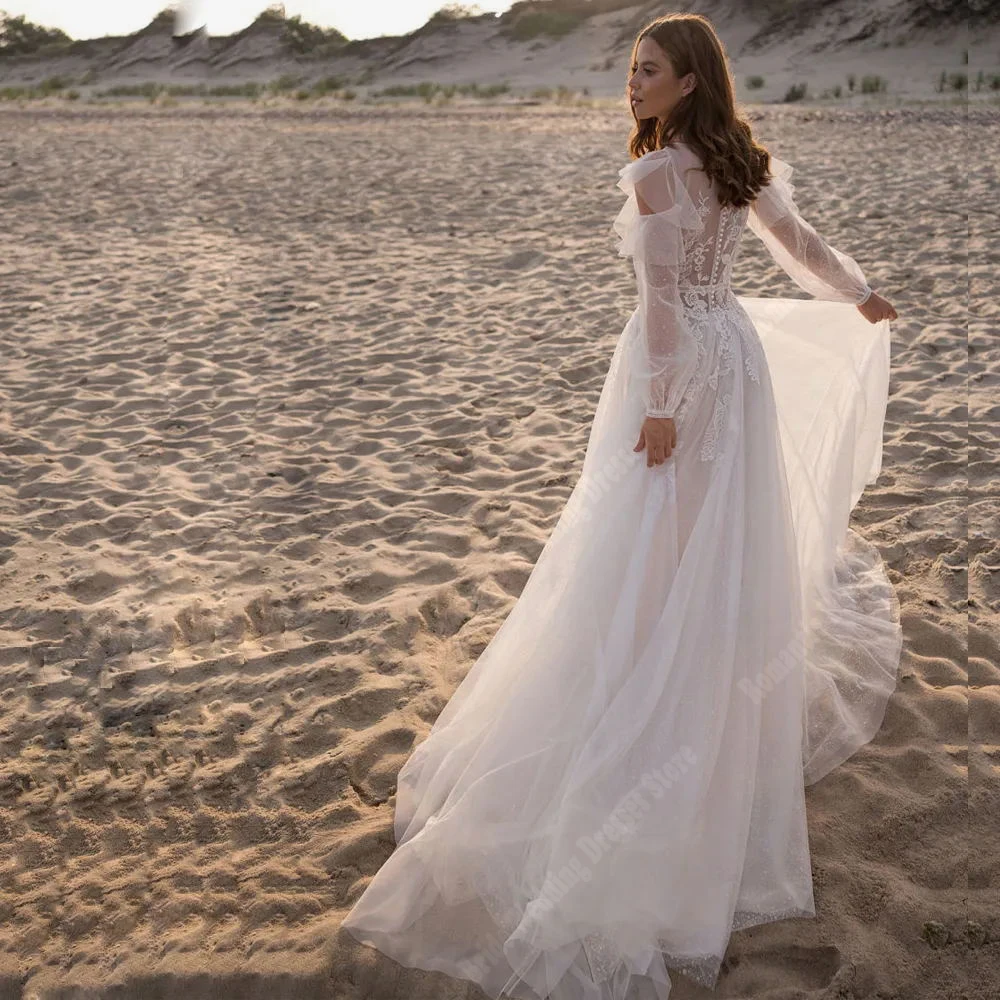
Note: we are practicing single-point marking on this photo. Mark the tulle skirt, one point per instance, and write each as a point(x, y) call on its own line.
point(618, 782)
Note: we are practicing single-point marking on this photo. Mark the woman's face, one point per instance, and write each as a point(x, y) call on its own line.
point(653, 88)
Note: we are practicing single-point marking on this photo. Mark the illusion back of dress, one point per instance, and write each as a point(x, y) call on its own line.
point(684, 243)
point(709, 253)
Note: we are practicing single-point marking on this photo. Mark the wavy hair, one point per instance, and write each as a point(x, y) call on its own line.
point(707, 118)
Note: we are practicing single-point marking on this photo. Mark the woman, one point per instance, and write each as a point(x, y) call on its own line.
point(618, 782)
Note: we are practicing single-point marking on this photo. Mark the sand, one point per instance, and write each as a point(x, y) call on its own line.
point(290, 402)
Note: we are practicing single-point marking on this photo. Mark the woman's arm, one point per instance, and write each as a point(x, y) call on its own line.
point(664, 208)
point(799, 250)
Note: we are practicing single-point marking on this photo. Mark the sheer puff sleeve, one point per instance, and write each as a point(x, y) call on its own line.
point(650, 227)
point(797, 248)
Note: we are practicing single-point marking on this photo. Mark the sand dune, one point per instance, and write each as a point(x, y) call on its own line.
point(289, 404)
point(819, 43)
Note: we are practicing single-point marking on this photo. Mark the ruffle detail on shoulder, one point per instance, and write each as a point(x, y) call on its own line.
point(777, 198)
point(781, 175)
point(782, 170)
point(653, 237)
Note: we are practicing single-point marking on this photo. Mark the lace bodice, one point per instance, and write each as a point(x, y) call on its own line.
point(709, 252)
point(684, 244)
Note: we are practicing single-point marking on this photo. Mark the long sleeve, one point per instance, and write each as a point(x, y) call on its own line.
point(651, 225)
point(801, 252)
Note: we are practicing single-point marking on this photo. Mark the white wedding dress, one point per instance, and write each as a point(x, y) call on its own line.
point(618, 782)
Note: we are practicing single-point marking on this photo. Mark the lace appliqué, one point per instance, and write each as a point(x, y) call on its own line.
point(710, 443)
point(695, 254)
point(726, 325)
point(716, 321)
point(710, 309)
point(724, 369)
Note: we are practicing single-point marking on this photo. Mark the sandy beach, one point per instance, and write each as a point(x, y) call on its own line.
point(289, 404)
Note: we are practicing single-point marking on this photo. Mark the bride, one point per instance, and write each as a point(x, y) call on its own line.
point(618, 782)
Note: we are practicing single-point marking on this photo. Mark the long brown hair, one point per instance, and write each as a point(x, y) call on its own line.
point(707, 118)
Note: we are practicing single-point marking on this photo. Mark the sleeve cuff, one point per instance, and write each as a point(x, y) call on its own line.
point(867, 296)
point(662, 414)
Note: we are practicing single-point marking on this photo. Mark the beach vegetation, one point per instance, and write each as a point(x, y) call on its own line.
point(874, 84)
point(451, 13)
point(327, 85)
point(285, 83)
point(532, 24)
point(21, 37)
point(796, 92)
point(147, 90)
point(249, 89)
point(754, 82)
point(563, 95)
point(54, 83)
point(953, 81)
point(430, 91)
point(304, 38)
point(273, 13)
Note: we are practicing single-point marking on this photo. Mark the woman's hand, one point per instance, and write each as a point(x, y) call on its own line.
point(659, 437)
point(875, 308)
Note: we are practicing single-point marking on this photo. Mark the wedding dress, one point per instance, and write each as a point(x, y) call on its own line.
point(618, 782)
